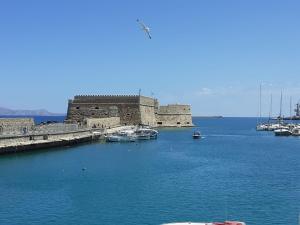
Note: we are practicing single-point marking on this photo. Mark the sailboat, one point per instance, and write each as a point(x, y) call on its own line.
point(261, 126)
point(272, 126)
point(282, 130)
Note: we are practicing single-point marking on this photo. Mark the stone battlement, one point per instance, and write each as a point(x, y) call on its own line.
point(175, 109)
point(107, 98)
point(77, 97)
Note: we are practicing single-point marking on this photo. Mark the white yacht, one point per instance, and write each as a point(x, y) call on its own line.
point(282, 132)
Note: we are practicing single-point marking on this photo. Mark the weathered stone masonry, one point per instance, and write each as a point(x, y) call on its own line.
point(109, 110)
point(16, 125)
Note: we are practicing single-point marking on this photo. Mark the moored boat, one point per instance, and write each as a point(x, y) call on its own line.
point(262, 127)
point(296, 131)
point(274, 126)
point(144, 132)
point(122, 136)
point(132, 134)
point(143, 136)
point(282, 132)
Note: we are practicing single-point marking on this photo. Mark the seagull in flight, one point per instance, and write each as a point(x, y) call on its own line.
point(144, 28)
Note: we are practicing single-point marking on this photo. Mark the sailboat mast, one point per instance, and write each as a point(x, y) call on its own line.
point(291, 107)
point(271, 107)
point(260, 101)
point(280, 113)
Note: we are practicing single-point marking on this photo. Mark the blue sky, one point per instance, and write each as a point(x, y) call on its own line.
point(211, 54)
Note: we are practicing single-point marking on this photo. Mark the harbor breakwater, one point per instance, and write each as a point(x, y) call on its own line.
point(34, 141)
point(23, 143)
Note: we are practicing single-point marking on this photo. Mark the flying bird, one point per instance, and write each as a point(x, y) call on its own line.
point(144, 28)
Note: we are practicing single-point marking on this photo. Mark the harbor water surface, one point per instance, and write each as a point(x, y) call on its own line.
point(233, 173)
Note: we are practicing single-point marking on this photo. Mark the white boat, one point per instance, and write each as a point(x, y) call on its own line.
point(262, 127)
point(122, 136)
point(147, 132)
point(143, 136)
point(274, 126)
point(282, 132)
point(296, 131)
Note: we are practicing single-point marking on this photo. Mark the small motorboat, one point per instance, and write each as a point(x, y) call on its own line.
point(197, 135)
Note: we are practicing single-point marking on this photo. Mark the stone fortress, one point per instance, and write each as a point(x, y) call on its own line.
point(88, 119)
point(104, 111)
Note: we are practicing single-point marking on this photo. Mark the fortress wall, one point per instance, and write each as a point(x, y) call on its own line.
point(147, 115)
point(77, 112)
point(174, 116)
point(175, 109)
point(109, 99)
point(169, 120)
point(122, 106)
point(129, 114)
point(55, 128)
point(147, 101)
point(15, 125)
point(102, 122)
point(147, 111)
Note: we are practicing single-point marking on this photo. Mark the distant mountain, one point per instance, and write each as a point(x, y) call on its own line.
point(21, 112)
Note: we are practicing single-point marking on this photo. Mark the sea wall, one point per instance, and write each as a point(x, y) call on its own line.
point(174, 121)
point(33, 142)
point(15, 126)
point(102, 122)
point(104, 106)
point(174, 115)
point(147, 111)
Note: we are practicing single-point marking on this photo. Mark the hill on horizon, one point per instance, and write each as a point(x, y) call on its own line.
point(26, 112)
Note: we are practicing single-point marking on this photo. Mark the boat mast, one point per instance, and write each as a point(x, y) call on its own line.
point(297, 111)
point(271, 108)
point(260, 102)
point(280, 113)
point(290, 107)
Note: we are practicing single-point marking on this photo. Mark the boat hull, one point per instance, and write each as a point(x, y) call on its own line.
point(120, 139)
point(282, 132)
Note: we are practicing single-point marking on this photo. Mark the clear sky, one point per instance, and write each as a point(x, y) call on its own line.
point(212, 54)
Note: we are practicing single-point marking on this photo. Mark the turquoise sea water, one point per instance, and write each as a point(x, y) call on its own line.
point(233, 173)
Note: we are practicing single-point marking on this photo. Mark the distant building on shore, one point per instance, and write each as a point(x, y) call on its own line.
point(102, 111)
